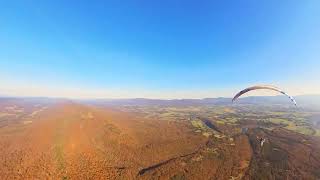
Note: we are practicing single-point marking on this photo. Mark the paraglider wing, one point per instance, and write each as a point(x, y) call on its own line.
point(290, 97)
point(263, 87)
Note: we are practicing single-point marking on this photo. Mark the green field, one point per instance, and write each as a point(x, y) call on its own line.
point(276, 116)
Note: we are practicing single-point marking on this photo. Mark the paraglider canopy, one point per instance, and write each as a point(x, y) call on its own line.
point(268, 87)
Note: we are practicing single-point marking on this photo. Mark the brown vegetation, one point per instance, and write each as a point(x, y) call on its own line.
point(73, 141)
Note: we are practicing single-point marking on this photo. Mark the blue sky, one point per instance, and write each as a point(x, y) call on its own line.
point(157, 49)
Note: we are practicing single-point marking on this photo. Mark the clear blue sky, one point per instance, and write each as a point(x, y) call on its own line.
point(160, 49)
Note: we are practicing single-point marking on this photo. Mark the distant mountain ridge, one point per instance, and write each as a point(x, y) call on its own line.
point(303, 100)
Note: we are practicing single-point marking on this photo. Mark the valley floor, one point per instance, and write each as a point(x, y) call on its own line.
point(74, 141)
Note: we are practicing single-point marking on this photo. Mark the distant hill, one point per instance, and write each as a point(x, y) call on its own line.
point(30, 100)
point(305, 100)
point(309, 101)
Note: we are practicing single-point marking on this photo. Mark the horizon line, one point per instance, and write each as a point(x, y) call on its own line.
point(135, 98)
